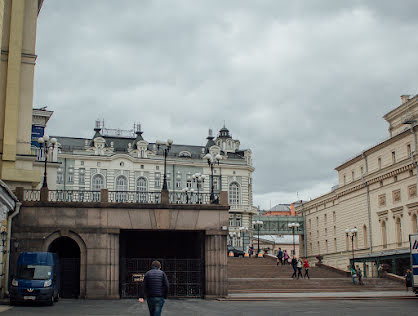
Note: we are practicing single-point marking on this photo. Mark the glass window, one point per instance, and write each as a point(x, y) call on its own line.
point(81, 173)
point(121, 184)
point(234, 197)
point(141, 184)
point(97, 182)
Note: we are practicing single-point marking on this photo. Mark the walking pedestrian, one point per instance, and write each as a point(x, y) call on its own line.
point(306, 266)
point(353, 274)
point(299, 266)
point(280, 257)
point(408, 279)
point(154, 288)
point(359, 276)
point(294, 266)
point(286, 257)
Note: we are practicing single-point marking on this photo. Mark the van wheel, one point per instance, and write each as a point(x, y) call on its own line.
point(57, 298)
point(51, 301)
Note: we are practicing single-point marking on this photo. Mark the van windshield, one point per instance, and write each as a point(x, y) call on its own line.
point(34, 272)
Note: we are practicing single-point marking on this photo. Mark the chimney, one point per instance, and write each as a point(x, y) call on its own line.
point(404, 98)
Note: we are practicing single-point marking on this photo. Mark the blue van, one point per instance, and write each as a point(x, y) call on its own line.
point(37, 278)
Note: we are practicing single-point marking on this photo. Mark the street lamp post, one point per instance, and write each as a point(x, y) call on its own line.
point(351, 233)
point(293, 226)
point(199, 179)
point(45, 145)
point(212, 161)
point(186, 191)
point(167, 148)
point(258, 225)
point(243, 230)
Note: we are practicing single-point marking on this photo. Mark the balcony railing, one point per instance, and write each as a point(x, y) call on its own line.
point(134, 197)
point(192, 198)
point(73, 196)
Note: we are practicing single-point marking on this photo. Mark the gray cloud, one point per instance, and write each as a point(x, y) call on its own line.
point(304, 84)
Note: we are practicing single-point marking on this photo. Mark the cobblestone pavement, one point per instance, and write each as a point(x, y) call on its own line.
point(204, 307)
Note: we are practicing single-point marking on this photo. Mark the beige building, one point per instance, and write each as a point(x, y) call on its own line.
point(18, 20)
point(377, 195)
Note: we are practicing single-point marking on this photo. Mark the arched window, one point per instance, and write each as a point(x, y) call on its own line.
point(384, 236)
point(233, 194)
point(141, 188)
point(414, 223)
point(141, 184)
point(364, 236)
point(97, 182)
point(121, 188)
point(398, 232)
point(121, 183)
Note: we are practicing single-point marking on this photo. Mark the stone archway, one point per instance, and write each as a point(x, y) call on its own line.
point(58, 242)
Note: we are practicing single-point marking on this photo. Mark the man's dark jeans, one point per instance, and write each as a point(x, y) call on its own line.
point(155, 305)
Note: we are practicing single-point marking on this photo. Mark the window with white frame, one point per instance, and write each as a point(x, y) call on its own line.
point(81, 176)
point(157, 181)
point(121, 183)
point(233, 194)
point(141, 184)
point(97, 182)
point(189, 183)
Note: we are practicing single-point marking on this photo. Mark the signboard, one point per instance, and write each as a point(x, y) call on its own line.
point(37, 131)
point(138, 277)
point(413, 241)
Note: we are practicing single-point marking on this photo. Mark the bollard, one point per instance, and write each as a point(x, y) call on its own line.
point(246, 255)
point(260, 255)
point(231, 254)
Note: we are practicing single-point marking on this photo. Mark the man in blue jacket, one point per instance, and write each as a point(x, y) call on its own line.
point(155, 289)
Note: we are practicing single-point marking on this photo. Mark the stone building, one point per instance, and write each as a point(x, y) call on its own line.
point(377, 195)
point(126, 161)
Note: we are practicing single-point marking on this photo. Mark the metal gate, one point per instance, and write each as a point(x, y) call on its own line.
point(186, 276)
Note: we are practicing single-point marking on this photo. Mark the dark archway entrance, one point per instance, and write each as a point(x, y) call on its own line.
point(181, 254)
point(69, 254)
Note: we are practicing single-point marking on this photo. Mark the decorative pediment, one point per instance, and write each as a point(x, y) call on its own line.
point(412, 208)
point(397, 212)
point(383, 215)
point(185, 154)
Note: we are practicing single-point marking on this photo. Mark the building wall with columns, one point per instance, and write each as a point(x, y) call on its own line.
point(380, 201)
point(18, 21)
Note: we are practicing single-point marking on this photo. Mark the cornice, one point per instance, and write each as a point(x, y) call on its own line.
point(399, 110)
point(375, 148)
point(358, 185)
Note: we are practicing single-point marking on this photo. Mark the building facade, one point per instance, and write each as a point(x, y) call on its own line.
point(377, 195)
point(126, 161)
point(18, 20)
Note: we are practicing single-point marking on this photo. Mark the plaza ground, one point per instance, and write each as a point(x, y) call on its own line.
point(381, 306)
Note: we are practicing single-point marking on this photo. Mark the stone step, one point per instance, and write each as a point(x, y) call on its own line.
point(318, 283)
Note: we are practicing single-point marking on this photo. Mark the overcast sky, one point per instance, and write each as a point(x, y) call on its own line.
point(303, 84)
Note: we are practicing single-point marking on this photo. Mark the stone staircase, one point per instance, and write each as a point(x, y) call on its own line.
point(263, 275)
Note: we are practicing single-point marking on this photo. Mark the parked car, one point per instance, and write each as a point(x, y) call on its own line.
point(237, 252)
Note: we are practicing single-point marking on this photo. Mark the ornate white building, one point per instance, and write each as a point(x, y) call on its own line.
point(125, 162)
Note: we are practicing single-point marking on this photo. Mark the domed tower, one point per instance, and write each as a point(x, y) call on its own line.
point(225, 141)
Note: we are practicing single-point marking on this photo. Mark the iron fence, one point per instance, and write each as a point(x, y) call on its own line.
point(185, 276)
point(192, 198)
point(73, 196)
point(134, 197)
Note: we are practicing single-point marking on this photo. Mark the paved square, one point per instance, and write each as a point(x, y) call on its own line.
point(203, 307)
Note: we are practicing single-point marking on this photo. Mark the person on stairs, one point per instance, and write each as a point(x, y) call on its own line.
point(294, 266)
point(280, 257)
point(299, 266)
point(286, 257)
point(306, 266)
